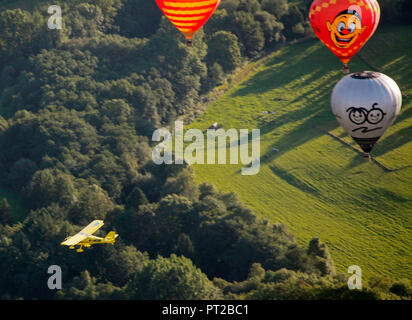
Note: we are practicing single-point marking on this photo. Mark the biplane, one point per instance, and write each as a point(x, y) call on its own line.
point(86, 239)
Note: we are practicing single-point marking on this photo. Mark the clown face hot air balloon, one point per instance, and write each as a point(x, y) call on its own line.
point(366, 104)
point(344, 26)
point(188, 15)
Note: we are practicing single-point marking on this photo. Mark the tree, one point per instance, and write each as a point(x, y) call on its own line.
point(207, 189)
point(220, 19)
point(392, 9)
point(402, 288)
point(294, 22)
point(320, 253)
point(249, 33)
point(272, 28)
point(41, 189)
point(173, 278)
point(183, 184)
point(93, 203)
point(249, 6)
point(138, 18)
point(16, 37)
point(224, 50)
point(3, 124)
point(230, 5)
point(184, 246)
point(276, 7)
point(6, 216)
point(136, 198)
point(215, 76)
point(86, 287)
point(120, 263)
point(21, 172)
point(86, 20)
point(48, 186)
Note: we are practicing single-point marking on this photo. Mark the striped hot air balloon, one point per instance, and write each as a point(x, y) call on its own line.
point(188, 15)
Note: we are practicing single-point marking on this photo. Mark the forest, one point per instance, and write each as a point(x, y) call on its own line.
point(78, 107)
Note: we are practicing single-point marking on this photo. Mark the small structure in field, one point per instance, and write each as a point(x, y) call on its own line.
point(215, 126)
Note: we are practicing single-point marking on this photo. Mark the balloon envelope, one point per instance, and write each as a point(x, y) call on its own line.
point(188, 15)
point(365, 105)
point(344, 26)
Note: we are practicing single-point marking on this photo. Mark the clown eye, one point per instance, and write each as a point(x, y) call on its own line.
point(352, 27)
point(341, 26)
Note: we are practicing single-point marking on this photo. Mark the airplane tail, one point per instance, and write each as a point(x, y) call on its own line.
point(111, 236)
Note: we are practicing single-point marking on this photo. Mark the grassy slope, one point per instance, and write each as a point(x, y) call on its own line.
point(315, 184)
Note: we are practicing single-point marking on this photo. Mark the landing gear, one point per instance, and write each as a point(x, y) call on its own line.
point(80, 249)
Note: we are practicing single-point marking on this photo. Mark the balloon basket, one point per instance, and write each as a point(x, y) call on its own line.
point(189, 43)
point(367, 157)
point(346, 68)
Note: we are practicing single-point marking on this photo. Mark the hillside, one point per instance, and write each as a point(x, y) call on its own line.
point(316, 184)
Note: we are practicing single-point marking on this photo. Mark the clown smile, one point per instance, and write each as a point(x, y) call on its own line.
point(343, 40)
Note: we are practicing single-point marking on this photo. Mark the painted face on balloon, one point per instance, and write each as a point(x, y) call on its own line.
point(345, 29)
point(375, 115)
point(357, 115)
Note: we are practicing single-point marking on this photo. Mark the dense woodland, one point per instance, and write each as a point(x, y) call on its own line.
point(78, 107)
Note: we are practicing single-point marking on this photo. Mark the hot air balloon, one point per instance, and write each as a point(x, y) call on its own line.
point(365, 105)
point(344, 26)
point(188, 15)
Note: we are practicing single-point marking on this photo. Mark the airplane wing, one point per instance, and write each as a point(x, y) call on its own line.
point(93, 227)
point(84, 234)
point(75, 239)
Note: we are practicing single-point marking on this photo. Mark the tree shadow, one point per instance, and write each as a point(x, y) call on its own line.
point(285, 68)
point(356, 161)
point(292, 180)
point(394, 141)
point(293, 139)
point(406, 114)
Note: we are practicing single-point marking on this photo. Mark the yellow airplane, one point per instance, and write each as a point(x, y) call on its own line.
point(85, 239)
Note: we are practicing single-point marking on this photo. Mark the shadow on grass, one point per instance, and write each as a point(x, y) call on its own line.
point(293, 139)
point(313, 114)
point(394, 141)
point(293, 63)
point(307, 63)
point(292, 180)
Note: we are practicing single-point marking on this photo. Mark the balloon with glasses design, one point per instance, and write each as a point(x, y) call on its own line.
point(365, 105)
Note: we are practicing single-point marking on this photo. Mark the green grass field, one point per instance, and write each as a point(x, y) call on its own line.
point(316, 184)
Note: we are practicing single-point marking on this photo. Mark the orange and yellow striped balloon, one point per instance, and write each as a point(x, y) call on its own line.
point(188, 15)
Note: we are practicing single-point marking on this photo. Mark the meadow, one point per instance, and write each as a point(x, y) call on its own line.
point(312, 176)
